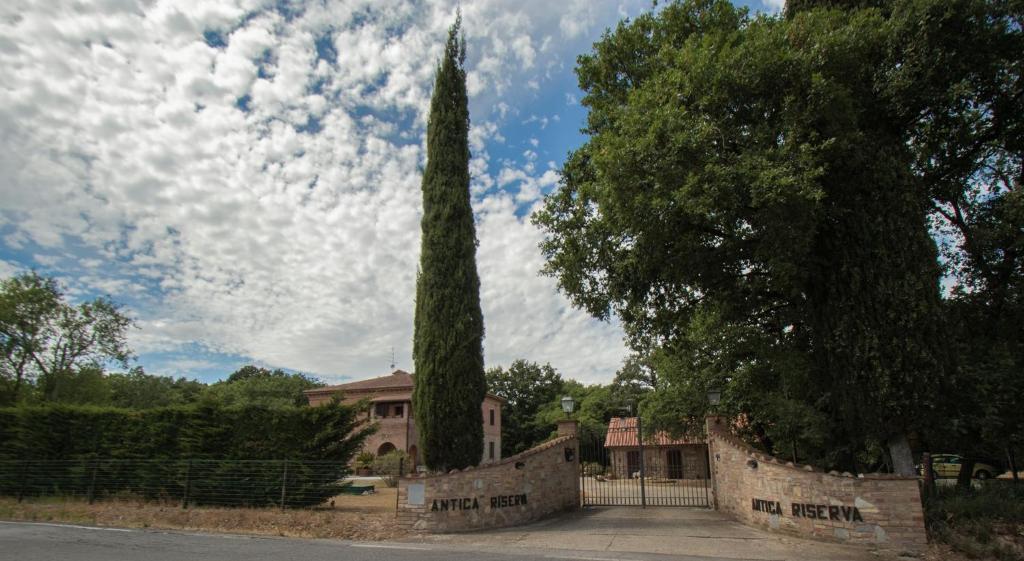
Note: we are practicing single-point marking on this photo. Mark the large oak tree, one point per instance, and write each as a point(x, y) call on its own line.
point(755, 199)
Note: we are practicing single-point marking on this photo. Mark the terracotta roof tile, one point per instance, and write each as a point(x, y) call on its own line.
point(395, 380)
point(622, 432)
point(391, 397)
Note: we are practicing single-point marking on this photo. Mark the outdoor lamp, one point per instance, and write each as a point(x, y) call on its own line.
point(714, 396)
point(568, 404)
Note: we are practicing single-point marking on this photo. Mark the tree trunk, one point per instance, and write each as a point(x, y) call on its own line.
point(1012, 464)
point(963, 479)
point(902, 459)
point(928, 473)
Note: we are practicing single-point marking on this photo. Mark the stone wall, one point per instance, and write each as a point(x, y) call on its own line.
point(523, 488)
point(763, 491)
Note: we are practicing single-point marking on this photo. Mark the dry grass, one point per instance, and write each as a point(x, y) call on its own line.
point(370, 517)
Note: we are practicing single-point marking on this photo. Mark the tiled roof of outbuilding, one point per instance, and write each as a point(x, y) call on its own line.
point(622, 433)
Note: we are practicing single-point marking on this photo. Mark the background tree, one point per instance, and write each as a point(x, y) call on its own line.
point(252, 385)
point(137, 390)
point(526, 387)
point(635, 381)
point(45, 340)
point(958, 89)
point(754, 199)
point(595, 406)
point(448, 327)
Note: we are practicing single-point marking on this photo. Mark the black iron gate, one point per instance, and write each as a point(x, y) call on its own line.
point(621, 469)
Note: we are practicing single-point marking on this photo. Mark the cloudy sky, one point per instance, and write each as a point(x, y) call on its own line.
point(243, 175)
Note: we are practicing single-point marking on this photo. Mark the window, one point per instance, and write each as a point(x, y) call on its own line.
point(398, 410)
point(492, 424)
point(380, 410)
point(490, 445)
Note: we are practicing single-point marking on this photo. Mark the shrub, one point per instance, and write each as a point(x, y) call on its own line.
point(592, 469)
point(365, 460)
point(391, 466)
point(972, 520)
point(151, 449)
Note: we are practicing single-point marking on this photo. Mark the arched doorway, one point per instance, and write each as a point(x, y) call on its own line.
point(385, 448)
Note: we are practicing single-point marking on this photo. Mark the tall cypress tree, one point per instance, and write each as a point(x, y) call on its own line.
point(449, 326)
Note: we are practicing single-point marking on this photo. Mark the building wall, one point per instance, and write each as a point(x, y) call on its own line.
point(394, 431)
point(520, 489)
point(762, 491)
point(492, 433)
point(656, 465)
point(401, 431)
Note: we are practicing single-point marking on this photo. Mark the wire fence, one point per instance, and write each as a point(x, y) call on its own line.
point(247, 483)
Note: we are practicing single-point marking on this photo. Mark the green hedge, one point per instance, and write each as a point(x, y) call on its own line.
point(216, 455)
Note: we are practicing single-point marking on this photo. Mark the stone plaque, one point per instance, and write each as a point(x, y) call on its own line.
point(415, 496)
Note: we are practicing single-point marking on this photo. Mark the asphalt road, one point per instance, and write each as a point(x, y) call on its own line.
point(52, 542)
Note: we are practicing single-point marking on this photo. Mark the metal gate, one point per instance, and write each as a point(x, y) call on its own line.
point(622, 469)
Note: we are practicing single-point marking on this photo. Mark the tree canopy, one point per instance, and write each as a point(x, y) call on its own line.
point(45, 340)
point(757, 195)
point(526, 387)
point(252, 385)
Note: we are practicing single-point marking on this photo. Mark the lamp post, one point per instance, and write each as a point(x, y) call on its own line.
point(568, 426)
point(568, 404)
point(714, 397)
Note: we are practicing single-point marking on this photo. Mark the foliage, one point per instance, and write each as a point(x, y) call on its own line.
point(137, 390)
point(219, 436)
point(753, 202)
point(392, 466)
point(46, 341)
point(252, 385)
point(635, 380)
point(970, 519)
point(365, 459)
point(595, 406)
point(448, 327)
point(526, 387)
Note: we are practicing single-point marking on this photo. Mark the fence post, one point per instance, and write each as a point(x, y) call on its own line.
point(92, 484)
point(398, 482)
point(188, 485)
point(21, 480)
point(643, 474)
point(284, 483)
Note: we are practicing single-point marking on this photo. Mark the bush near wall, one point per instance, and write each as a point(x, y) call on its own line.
point(149, 450)
point(986, 522)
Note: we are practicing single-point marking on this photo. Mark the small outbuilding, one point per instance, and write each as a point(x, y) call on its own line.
point(664, 457)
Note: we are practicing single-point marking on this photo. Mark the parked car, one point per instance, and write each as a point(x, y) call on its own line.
point(948, 466)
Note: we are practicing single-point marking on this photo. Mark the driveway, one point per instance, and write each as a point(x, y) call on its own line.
point(682, 532)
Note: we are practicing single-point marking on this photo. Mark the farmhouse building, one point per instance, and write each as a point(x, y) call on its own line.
point(664, 457)
point(390, 399)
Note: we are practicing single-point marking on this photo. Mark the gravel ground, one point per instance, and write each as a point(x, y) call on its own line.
point(364, 518)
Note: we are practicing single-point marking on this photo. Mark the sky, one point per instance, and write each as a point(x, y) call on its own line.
point(243, 176)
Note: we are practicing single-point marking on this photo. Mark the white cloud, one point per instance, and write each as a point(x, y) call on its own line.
point(9, 269)
point(286, 232)
point(578, 19)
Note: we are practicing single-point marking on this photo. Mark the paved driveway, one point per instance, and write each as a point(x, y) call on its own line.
point(683, 532)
